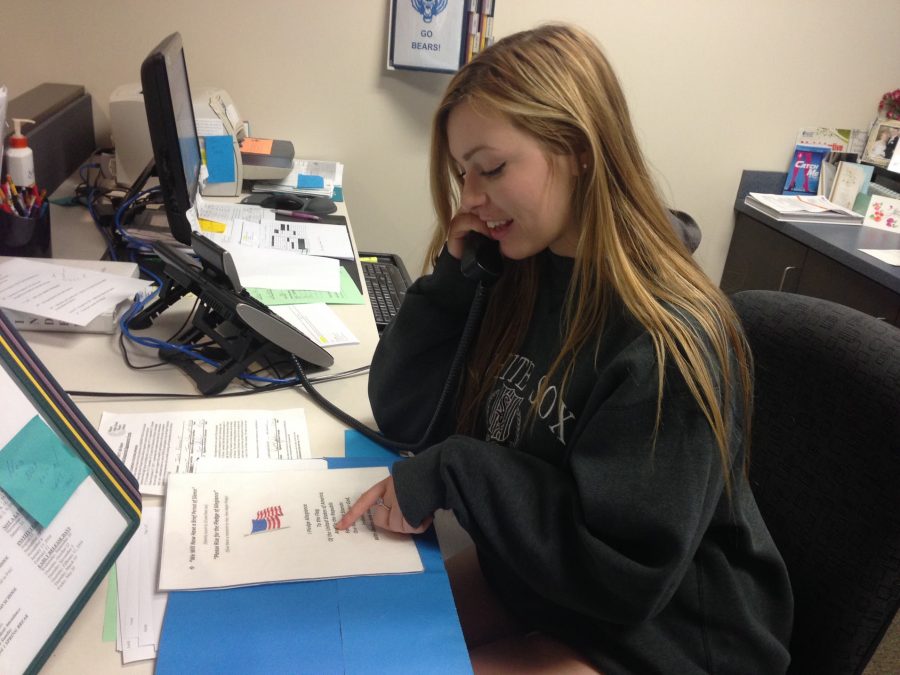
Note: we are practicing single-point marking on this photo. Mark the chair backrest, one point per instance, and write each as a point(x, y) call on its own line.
point(825, 469)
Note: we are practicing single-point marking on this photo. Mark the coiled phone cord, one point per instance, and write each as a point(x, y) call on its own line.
point(470, 330)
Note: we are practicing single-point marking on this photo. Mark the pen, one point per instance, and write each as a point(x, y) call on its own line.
point(299, 215)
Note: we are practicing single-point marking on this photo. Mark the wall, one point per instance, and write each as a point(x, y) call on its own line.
point(715, 86)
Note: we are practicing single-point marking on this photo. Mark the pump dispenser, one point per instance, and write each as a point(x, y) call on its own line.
point(19, 157)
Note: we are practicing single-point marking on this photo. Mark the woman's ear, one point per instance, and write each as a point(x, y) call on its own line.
point(583, 159)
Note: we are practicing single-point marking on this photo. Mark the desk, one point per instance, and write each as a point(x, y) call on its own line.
point(816, 259)
point(93, 362)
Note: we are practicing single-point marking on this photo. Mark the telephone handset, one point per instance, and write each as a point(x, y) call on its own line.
point(481, 259)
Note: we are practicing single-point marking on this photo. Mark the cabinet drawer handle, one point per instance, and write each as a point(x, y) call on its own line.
point(784, 276)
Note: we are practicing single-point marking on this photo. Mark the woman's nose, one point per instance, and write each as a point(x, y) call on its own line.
point(473, 194)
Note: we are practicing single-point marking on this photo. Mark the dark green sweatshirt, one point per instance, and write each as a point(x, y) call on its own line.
point(626, 549)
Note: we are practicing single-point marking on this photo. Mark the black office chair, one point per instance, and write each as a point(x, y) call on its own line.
point(825, 469)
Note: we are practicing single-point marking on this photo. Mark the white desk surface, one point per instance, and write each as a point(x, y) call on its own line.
point(92, 362)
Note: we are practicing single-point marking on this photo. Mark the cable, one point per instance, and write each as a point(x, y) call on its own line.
point(258, 390)
point(469, 331)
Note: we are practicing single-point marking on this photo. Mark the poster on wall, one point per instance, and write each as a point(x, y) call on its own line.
point(428, 34)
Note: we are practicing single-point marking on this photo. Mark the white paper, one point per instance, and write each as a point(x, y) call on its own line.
point(890, 256)
point(72, 294)
point(296, 236)
point(253, 465)
point(331, 173)
point(284, 270)
point(141, 606)
point(228, 212)
point(153, 445)
point(207, 126)
point(894, 164)
point(428, 35)
point(210, 539)
point(318, 322)
point(788, 204)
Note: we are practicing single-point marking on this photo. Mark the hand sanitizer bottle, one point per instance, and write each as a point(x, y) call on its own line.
point(19, 157)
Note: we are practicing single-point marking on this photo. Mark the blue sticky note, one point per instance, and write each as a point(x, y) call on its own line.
point(220, 159)
point(338, 194)
point(38, 472)
point(357, 445)
point(310, 182)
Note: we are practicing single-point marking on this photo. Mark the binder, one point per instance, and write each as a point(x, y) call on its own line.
point(67, 508)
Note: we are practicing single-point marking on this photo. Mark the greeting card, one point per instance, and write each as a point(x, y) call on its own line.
point(883, 213)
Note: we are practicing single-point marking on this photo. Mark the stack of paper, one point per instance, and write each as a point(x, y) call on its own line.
point(67, 295)
point(311, 178)
point(141, 607)
point(802, 208)
point(154, 445)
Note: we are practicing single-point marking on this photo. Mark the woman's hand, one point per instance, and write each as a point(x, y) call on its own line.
point(386, 514)
point(460, 226)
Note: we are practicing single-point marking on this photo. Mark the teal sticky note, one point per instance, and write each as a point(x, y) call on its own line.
point(38, 472)
point(338, 195)
point(219, 159)
point(305, 181)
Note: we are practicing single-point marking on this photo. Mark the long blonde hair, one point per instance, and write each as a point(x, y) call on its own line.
point(555, 84)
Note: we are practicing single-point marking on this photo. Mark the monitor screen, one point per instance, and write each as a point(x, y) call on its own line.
point(173, 132)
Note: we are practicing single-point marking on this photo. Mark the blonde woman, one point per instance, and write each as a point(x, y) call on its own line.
point(597, 447)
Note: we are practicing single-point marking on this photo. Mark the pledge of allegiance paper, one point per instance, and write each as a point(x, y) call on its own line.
point(238, 529)
point(153, 445)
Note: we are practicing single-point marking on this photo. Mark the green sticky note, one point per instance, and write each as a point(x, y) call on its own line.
point(111, 613)
point(38, 472)
point(348, 295)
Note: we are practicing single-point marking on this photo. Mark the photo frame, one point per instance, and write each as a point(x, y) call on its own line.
point(882, 142)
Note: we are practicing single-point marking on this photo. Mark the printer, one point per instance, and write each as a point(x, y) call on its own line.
point(230, 156)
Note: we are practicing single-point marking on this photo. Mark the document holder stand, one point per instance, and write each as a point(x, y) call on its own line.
point(68, 506)
point(230, 330)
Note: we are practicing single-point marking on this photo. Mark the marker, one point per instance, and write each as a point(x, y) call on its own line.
point(299, 215)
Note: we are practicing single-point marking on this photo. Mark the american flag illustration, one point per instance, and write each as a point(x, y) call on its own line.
point(267, 519)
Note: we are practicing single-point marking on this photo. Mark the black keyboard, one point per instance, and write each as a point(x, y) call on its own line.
point(387, 280)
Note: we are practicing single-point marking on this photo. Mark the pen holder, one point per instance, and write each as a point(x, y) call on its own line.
point(29, 237)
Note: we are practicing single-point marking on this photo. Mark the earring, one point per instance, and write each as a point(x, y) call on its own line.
point(584, 166)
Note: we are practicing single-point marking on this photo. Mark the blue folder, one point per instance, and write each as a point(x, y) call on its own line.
point(377, 624)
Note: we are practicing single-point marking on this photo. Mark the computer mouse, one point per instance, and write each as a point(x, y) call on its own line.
point(320, 205)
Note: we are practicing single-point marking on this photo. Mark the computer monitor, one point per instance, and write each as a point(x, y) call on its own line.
point(173, 132)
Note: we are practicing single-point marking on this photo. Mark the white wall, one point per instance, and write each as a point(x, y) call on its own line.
point(715, 86)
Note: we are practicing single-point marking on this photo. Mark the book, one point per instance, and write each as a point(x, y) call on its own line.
point(829, 169)
point(805, 170)
point(800, 208)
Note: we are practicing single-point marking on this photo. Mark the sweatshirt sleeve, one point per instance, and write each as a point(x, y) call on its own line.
point(610, 531)
point(413, 356)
